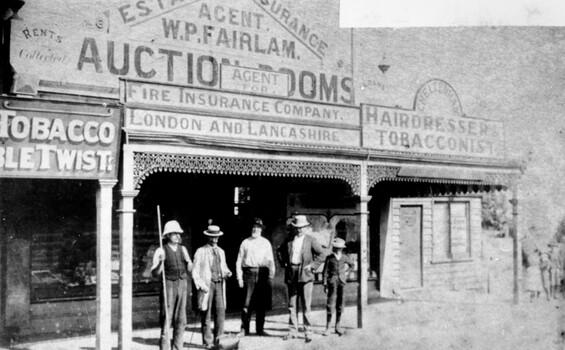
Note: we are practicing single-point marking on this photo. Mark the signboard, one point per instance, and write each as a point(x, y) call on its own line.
point(86, 47)
point(435, 127)
point(229, 104)
point(184, 124)
point(255, 81)
point(54, 141)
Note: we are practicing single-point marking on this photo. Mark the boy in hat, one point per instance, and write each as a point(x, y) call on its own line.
point(334, 279)
point(255, 269)
point(174, 259)
point(209, 272)
point(300, 256)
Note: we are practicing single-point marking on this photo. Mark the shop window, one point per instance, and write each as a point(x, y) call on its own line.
point(59, 219)
point(451, 231)
point(241, 197)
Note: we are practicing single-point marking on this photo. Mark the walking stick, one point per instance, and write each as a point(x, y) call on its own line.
point(163, 271)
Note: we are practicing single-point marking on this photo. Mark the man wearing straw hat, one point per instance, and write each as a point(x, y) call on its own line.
point(300, 256)
point(209, 272)
point(172, 261)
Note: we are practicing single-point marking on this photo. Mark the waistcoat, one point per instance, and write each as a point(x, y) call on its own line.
point(175, 266)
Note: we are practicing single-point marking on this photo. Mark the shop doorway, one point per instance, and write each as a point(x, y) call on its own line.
point(196, 200)
point(410, 246)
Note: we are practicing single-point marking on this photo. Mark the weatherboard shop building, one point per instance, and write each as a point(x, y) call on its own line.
point(227, 113)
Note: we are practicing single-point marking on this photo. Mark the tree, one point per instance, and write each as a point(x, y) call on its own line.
point(560, 232)
point(495, 210)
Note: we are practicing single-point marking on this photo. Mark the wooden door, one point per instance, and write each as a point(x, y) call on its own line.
point(410, 246)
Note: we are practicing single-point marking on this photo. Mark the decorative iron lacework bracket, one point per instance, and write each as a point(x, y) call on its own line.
point(146, 164)
point(377, 173)
point(502, 179)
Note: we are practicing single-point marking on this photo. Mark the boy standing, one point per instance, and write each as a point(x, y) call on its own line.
point(334, 278)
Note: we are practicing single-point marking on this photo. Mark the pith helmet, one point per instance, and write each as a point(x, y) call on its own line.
point(172, 227)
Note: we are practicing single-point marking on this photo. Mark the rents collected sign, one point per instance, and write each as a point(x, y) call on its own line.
point(58, 145)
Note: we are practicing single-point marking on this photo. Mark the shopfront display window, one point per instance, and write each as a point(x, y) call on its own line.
point(63, 265)
point(55, 220)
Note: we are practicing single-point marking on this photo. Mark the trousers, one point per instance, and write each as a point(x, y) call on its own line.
point(257, 297)
point(300, 294)
point(216, 309)
point(335, 296)
point(176, 312)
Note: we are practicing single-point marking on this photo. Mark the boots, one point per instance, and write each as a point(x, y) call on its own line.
point(328, 323)
point(338, 328)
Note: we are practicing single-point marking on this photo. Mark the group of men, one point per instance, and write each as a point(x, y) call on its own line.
point(301, 255)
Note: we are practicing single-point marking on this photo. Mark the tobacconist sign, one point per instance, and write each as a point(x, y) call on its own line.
point(57, 141)
point(436, 126)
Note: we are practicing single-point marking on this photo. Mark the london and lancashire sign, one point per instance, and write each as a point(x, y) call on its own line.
point(183, 111)
point(436, 126)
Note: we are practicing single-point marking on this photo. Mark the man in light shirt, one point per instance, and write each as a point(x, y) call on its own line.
point(300, 256)
point(255, 269)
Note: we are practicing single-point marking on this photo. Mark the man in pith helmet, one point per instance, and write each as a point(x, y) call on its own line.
point(174, 260)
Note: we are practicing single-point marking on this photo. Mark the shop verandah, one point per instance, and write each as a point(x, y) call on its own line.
point(258, 172)
point(190, 186)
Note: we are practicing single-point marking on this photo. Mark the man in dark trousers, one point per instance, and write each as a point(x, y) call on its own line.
point(301, 256)
point(255, 269)
point(174, 258)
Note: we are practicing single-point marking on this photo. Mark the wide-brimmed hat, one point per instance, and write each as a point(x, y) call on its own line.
point(338, 243)
point(300, 221)
point(172, 227)
point(213, 231)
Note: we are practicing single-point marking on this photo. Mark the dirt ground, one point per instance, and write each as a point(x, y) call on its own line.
point(443, 320)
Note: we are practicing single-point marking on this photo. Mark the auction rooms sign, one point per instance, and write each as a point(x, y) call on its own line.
point(57, 142)
point(435, 126)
